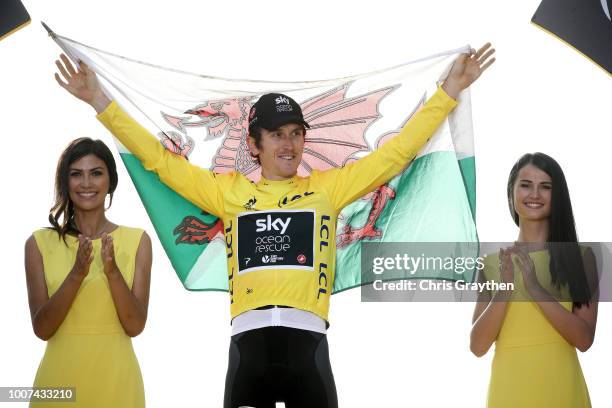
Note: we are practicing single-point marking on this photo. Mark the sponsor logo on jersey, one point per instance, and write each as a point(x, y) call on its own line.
point(271, 259)
point(286, 200)
point(278, 224)
point(324, 236)
point(230, 253)
point(280, 239)
point(250, 205)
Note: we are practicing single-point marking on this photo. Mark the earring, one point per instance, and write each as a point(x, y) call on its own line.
point(110, 202)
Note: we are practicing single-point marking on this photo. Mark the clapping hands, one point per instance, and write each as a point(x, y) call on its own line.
point(84, 257)
point(108, 255)
point(525, 265)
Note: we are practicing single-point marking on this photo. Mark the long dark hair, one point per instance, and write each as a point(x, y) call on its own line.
point(63, 208)
point(566, 266)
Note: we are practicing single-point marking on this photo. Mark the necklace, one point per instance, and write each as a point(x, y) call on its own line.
point(99, 233)
point(531, 246)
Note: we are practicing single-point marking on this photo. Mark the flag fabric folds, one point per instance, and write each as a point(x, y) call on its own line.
point(586, 25)
point(205, 119)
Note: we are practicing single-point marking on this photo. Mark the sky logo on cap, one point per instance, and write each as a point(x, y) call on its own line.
point(282, 99)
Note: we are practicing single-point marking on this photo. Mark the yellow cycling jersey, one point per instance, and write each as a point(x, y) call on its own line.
point(280, 235)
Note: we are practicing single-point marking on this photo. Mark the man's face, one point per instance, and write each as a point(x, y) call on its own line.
point(280, 151)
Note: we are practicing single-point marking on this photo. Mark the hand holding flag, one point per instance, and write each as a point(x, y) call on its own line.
point(82, 83)
point(467, 69)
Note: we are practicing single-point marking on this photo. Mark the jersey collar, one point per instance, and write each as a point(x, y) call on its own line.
point(265, 182)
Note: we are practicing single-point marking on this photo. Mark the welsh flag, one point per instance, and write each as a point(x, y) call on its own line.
point(204, 118)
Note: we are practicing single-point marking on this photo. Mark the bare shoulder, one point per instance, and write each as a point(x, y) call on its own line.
point(31, 247)
point(36, 241)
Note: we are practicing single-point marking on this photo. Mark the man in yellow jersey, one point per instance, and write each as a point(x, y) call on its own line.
point(279, 232)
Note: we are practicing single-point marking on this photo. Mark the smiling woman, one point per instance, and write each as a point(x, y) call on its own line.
point(85, 174)
point(88, 285)
point(538, 325)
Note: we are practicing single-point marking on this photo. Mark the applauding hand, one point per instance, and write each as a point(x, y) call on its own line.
point(84, 257)
point(108, 256)
point(527, 267)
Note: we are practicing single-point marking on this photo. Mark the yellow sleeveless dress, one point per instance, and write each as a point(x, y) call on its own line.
point(533, 365)
point(90, 350)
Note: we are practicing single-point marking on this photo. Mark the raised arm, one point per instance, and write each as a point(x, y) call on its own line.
point(198, 185)
point(344, 185)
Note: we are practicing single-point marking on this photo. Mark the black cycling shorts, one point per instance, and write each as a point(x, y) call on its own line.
point(279, 364)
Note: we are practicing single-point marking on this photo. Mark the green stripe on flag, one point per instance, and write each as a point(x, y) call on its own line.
point(166, 210)
point(468, 172)
point(431, 205)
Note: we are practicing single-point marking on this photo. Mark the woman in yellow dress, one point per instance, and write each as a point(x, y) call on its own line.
point(552, 310)
point(88, 286)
